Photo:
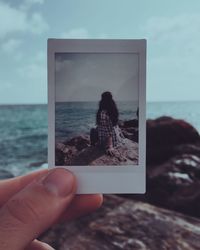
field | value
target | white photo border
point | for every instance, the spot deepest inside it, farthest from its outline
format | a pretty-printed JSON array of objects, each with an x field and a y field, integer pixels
[{"x": 101, "y": 179}]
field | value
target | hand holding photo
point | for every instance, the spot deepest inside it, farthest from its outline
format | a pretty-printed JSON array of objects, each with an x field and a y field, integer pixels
[{"x": 97, "y": 112}]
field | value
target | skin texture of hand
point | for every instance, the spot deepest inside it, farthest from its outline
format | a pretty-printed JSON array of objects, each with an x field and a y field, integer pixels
[{"x": 30, "y": 204}]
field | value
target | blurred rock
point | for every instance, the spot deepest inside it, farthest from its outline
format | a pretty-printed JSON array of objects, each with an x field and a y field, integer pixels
[
  {"x": 127, "y": 225},
  {"x": 173, "y": 167},
  {"x": 173, "y": 182},
  {"x": 164, "y": 135},
  {"x": 176, "y": 184}
]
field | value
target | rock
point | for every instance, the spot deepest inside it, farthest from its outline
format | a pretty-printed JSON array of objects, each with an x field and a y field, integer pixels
[
  {"x": 4, "y": 174},
  {"x": 130, "y": 133},
  {"x": 59, "y": 234},
  {"x": 78, "y": 152},
  {"x": 130, "y": 123},
  {"x": 164, "y": 135},
  {"x": 173, "y": 168},
  {"x": 80, "y": 142},
  {"x": 168, "y": 184},
  {"x": 130, "y": 129},
  {"x": 127, "y": 225},
  {"x": 123, "y": 155},
  {"x": 141, "y": 226},
  {"x": 175, "y": 184}
]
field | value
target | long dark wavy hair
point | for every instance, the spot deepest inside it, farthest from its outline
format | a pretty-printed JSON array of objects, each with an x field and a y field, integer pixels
[{"x": 108, "y": 104}]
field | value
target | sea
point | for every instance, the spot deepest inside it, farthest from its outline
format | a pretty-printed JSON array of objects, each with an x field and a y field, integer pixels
[{"x": 23, "y": 128}]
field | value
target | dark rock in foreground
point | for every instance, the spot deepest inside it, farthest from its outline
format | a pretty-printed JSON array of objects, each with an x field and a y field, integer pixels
[
  {"x": 173, "y": 169},
  {"x": 122, "y": 224},
  {"x": 164, "y": 134},
  {"x": 173, "y": 157},
  {"x": 173, "y": 182}
]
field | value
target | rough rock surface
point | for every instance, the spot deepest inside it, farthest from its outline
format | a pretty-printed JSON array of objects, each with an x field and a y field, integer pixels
[
  {"x": 78, "y": 152},
  {"x": 122, "y": 224},
  {"x": 130, "y": 129},
  {"x": 173, "y": 170},
  {"x": 173, "y": 182}
]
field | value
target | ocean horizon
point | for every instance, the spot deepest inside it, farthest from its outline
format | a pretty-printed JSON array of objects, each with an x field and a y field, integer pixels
[
  {"x": 75, "y": 118},
  {"x": 23, "y": 129}
]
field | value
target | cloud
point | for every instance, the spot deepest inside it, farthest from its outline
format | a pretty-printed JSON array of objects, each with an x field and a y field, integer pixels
[
  {"x": 82, "y": 33},
  {"x": 84, "y": 77},
  {"x": 37, "y": 24},
  {"x": 18, "y": 20},
  {"x": 6, "y": 86},
  {"x": 11, "y": 45},
  {"x": 173, "y": 55},
  {"x": 167, "y": 28},
  {"x": 27, "y": 4},
  {"x": 76, "y": 33},
  {"x": 7, "y": 15},
  {"x": 34, "y": 69},
  {"x": 178, "y": 35}
]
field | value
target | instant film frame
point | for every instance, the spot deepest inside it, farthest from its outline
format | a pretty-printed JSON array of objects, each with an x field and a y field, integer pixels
[{"x": 102, "y": 179}]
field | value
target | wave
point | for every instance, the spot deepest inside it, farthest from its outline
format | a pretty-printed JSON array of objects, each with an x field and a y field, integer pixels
[{"x": 33, "y": 137}]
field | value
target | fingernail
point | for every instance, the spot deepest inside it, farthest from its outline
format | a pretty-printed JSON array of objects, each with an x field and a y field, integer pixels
[{"x": 59, "y": 182}]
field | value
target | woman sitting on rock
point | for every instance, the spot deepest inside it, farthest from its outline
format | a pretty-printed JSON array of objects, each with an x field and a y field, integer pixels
[{"x": 106, "y": 120}]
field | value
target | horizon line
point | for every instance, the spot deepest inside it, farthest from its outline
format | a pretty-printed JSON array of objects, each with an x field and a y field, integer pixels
[{"x": 45, "y": 103}]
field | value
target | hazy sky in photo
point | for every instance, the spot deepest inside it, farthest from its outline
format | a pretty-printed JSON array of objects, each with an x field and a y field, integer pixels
[
  {"x": 170, "y": 27},
  {"x": 83, "y": 77}
]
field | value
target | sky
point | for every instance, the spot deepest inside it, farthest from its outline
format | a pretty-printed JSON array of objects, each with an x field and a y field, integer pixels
[
  {"x": 85, "y": 76},
  {"x": 172, "y": 30}
]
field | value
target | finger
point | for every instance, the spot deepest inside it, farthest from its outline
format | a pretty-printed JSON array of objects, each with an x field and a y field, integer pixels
[
  {"x": 36, "y": 207},
  {"x": 81, "y": 205},
  {"x": 12, "y": 186},
  {"x": 38, "y": 245}
]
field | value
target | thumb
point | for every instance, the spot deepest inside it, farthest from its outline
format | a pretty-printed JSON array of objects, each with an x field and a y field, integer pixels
[{"x": 31, "y": 211}]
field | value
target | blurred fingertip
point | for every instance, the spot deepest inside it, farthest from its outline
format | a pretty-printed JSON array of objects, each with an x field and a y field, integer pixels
[{"x": 99, "y": 198}]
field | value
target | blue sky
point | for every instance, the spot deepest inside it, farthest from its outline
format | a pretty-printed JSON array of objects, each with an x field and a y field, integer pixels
[{"x": 172, "y": 30}]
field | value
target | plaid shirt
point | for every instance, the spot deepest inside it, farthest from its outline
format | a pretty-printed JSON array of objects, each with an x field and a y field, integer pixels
[{"x": 106, "y": 129}]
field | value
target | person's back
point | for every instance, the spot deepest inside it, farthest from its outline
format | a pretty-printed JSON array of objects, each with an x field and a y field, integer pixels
[
  {"x": 106, "y": 130},
  {"x": 107, "y": 119}
]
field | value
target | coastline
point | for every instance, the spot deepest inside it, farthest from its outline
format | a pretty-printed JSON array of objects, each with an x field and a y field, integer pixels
[
  {"x": 167, "y": 215},
  {"x": 78, "y": 151},
  {"x": 170, "y": 207},
  {"x": 24, "y": 131}
]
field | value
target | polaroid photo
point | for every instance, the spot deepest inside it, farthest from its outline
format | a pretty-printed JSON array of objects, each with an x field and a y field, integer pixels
[{"x": 96, "y": 107}]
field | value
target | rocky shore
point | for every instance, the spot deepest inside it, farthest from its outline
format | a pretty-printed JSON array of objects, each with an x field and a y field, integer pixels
[
  {"x": 173, "y": 166},
  {"x": 127, "y": 225},
  {"x": 166, "y": 217},
  {"x": 79, "y": 152}
]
